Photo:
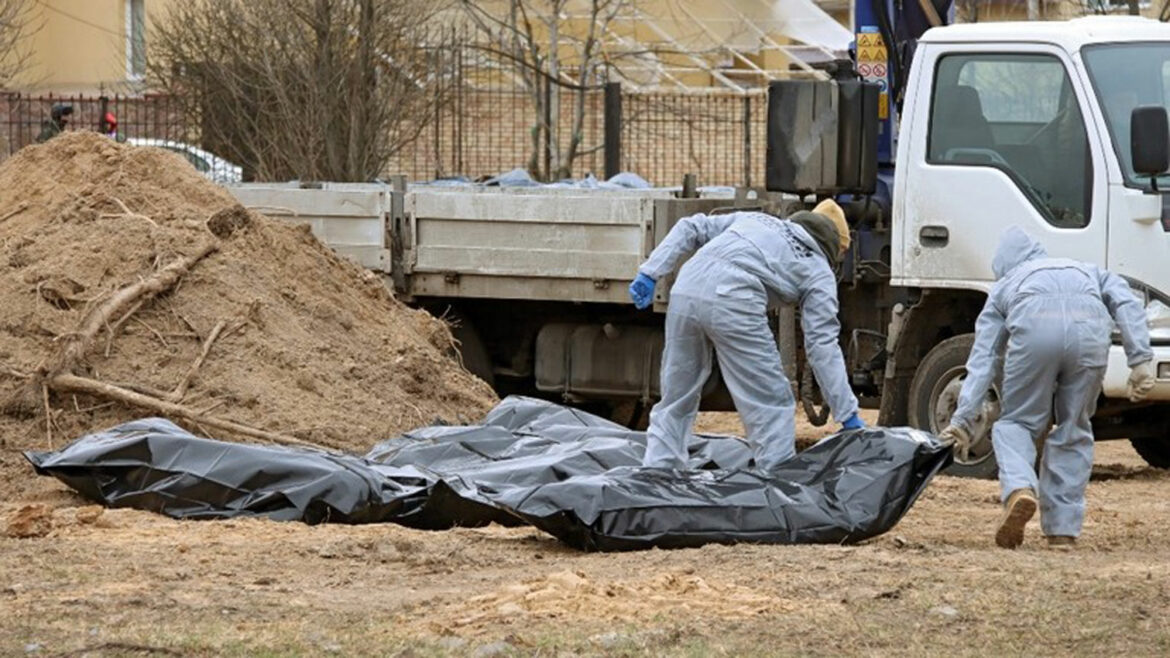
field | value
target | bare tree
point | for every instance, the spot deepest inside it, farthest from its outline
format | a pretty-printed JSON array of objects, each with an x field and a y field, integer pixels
[
  {"x": 308, "y": 89},
  {"x": 971, "y": 11},
  {"x": 14, "y": 27},
  {"x": 550, "y": 46}
]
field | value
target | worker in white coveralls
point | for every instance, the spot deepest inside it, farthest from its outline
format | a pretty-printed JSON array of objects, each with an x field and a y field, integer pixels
[
  {"x": 746, "y": 261},
  {"x": 1051, "y": 320}
]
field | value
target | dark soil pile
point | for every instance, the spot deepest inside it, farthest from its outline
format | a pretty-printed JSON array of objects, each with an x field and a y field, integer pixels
[{"x": 313, "y": 346}]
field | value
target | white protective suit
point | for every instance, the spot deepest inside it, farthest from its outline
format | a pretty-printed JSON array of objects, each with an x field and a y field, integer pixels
[
  {"x": 745, "y": 262},
  {"x": 1053, "y": 316}
]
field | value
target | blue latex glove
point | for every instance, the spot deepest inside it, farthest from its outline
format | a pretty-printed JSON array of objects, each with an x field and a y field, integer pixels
[
  {"x": 853, "y": 422},
  {"x": 642, "y": 291}
]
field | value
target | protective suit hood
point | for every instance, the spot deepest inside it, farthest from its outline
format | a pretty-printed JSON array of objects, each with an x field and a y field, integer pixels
[
  {"x": 1016, "y": 247},
  {"x": 823, "y": 232}
]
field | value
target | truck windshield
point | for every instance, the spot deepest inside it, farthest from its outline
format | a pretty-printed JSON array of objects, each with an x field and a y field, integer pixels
[{"x": 1124, "y": 77}]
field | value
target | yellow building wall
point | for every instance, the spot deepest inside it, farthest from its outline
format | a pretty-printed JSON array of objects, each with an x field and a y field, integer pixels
[{"x": 79, "y": 46}]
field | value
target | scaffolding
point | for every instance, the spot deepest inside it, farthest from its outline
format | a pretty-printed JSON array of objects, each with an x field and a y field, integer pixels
[{"x": 690, "y": 46}]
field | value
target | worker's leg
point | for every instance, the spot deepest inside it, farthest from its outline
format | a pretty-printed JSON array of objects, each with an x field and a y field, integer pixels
[
  {"x": 686, "y": 365},
  {"x": 751, "y": 368},
  {"x": 1029, "y": 381},
  {"x": 1068, "y": 452}
]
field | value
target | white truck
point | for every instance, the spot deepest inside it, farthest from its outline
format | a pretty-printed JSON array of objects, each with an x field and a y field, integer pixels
[{"x": 1056, "y": 127}]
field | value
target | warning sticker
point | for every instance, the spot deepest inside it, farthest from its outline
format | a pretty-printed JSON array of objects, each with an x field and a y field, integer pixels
[
  {"x": 865, "y": 40},
  {"x": 871, "y": 54},
  {"x": 873, "y": 63}
]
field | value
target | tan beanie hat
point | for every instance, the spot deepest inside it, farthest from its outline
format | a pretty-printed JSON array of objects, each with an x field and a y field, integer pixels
[{"x": 830, "y": 209}]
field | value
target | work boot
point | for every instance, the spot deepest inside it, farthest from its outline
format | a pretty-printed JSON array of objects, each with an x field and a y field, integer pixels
[
  {"x": 1061, "y": 542},
  {"x": 1017, "y": 511}
]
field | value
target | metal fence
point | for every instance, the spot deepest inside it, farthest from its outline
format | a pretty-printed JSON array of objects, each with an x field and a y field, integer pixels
[
  {"x": 715, "y": 134},
  {"x": 719, "y": 136},
  {"x": 150, "y": 116},
  {"x": 481, "y": 131}
]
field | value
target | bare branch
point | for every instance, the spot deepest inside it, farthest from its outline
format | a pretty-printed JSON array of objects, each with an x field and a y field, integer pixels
[
  {"x": 555, "y": 47},
  {"x": 308, "y": 89},
  {"x": 15, "y": 27}
]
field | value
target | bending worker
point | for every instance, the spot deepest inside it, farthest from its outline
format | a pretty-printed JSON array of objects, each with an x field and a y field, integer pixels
[
  {"x": 1053, "y": 316},
  {"x": 744, "y": 262}
]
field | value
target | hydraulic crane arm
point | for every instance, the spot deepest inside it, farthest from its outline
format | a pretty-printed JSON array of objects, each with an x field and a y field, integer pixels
[{"x": 887, "y": 32}]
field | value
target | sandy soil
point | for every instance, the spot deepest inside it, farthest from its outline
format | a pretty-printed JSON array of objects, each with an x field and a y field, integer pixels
[
  {"x": 307, "y": 338},
  {"x": 115, "y": 582}
]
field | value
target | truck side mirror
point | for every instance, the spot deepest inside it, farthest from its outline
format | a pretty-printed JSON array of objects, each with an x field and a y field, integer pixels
[{"x": 1149, "y": 140}]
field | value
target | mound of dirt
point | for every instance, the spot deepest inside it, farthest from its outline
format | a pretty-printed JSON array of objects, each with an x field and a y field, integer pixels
[{"x": 309, "y": 345}]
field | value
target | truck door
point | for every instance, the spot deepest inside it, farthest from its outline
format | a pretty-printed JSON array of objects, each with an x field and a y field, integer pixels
[{"x": 994, "y": 136}]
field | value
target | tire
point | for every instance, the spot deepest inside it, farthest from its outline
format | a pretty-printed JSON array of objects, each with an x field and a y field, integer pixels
[
  {"x": 1156, "y": 451},
  {"x": 634, "y": 414},
  {"x": 934, "y": 394},
  {"x": 472, "y": 351}
]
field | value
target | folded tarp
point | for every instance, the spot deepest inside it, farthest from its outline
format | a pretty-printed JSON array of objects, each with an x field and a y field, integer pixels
[{"x": 569, "y": 473}]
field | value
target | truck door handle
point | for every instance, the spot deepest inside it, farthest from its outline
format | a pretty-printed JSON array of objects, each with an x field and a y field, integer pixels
[{"x": 934, "y": 236}]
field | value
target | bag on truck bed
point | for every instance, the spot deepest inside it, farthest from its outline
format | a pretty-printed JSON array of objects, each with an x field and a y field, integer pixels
[{"x": 569, "y": 473}]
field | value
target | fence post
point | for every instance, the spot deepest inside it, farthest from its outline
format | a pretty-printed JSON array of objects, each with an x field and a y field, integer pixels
[
  {"x": 747, "y": 141},
  {"x": 548, "y": 131},
  {"x": 613, "y": 129},
  {"x": 103, "y": 108}
]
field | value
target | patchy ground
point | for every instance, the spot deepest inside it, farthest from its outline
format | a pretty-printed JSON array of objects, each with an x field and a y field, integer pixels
[{"x": 88, "y": 581}]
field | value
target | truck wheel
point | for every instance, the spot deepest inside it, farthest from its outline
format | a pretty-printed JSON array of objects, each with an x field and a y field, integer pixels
[
  {"x": 934, "y": 394},
  {"x": 1156, "y": 451},
  {"x": 472, "y": 351},
  {"x": 634, "y": 414}
]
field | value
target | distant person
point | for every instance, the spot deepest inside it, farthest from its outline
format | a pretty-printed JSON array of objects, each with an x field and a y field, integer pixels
[
  {"x": 1051, "y": 318},
  {"x": 746, "y": 262},
  {"x": 59, "y": 119},
  {"x": 109, "y": 127}
]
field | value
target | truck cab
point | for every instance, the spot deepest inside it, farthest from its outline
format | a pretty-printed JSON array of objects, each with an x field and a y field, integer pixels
[{"x": 1025, "y": 124}]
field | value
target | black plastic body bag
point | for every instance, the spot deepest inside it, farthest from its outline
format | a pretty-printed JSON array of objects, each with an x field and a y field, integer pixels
[{"x": 573, "y": 475}]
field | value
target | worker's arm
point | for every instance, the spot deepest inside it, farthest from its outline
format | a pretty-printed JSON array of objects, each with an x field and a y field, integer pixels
[
  {"x": 688, "y": 234},
  {"x": 1129, "y": 315},
  {"x": 822, "y": 331},
  {"x": 991, "y": 335}
]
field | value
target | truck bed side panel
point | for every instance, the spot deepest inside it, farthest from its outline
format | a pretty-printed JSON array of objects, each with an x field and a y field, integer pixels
[
  {"x": 353, "y": 222},
  {"x": 583, "y": 242}
]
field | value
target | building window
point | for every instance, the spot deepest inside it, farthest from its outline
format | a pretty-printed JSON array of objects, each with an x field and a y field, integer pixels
[{"x": 136, "y": 38}]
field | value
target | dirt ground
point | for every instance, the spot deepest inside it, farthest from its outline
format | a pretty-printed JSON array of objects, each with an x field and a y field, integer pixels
[{"x": 116, "y": 582}]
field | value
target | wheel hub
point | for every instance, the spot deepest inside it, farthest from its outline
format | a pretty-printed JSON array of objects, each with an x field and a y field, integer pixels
[{"x": 945, "y": 399}]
